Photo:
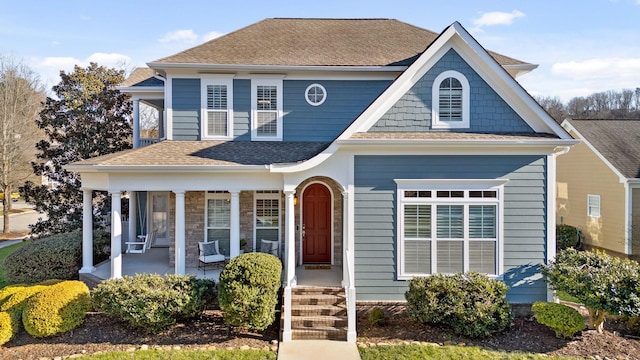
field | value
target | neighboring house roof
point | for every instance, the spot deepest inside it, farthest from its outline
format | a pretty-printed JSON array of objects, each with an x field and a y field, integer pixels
[
  {"x": 142, "y": 76},
  {"x": 210, "y": 153},
  {"x": 450, "y": 136},
  {"x": 317, "y": 42},
  {"x": 618, "y": 141}
]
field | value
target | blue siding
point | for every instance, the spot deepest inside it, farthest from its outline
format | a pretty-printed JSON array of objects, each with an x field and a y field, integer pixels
[
  {"x": 488, "y": 112},
  {"x": 186, "y": 109},
  {"x": 375, "y": 218},
  {"x": 242, "y": 109},
  {"x": 345, "y": 101}
]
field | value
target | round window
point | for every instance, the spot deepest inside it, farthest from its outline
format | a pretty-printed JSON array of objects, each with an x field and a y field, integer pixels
[{"x": 315, "y": 94}]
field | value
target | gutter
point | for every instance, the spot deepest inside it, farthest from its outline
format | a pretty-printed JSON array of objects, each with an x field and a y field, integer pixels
[{"x": 165, "y": 168}]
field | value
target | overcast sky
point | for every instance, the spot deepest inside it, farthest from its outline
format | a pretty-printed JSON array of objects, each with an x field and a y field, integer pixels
[{"x": 581, "y": 47}]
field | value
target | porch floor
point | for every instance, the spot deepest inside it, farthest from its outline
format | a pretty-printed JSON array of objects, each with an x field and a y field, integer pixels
[
  {"x": 153, "y": 261},
  {"x": 319, "y": 277}
]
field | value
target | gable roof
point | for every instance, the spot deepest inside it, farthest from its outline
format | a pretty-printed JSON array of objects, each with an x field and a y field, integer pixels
[
  {"x": 317, "y": 42},
  {"x": 141, "y": 76},
  {"x": 617, "y": 141}
]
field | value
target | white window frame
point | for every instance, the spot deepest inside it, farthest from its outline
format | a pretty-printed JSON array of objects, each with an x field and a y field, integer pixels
[
  {"x": 268, "y": 196},
  {"x": 217, "y": 195},
  {"x": 435, "y": 185},
  {"x": 204, "y": 83},
  {"x": 266, "y": 81},
  {"x": 436, "y": 123},
  {"x": 594, "y": 210},
  {"x": 306, "y": 94}
]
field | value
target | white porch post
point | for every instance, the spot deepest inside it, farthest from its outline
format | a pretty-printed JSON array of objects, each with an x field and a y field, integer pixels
[
  {"x": 348, "y": 266},
  {"x": 132, "y": 216},
  {"x": 136, "y": 123},
  {"x": 87, "y": 232},
  {"x": 116, "y": 235},
  {"x": 180, "y": 233},
  {"x": 234, "y": 241},
  {"x": 290, "y": 266}
]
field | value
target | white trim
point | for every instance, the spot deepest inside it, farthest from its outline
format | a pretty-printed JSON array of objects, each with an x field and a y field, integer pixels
[
  {"x": 205, "y": 81},
  {"x": 324, "y": 92},
  {"x": 551, "y": 217},
  {"x": 266, "y": 81},
  {"x": 180, "y": 247},
  {"x": 267, "y": 196},
  {"x": 589, "y": 212},
  {"x": 496, "y": 185},
  {"x": 301, "y": 203},
  {"x": 168, "y": 108},
  {"x": 628, "y": 218},
  {"x": 436, "y": 123}
]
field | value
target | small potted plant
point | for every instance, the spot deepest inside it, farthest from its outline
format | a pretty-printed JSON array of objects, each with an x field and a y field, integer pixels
[{"x": 243, "y": 243}]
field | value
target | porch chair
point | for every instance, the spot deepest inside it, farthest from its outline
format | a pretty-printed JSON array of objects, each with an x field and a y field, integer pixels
[
  {"x": 270, "y": 247},
  {"x": 209, "y": 254},
  {"x": 139, "y": 247}
]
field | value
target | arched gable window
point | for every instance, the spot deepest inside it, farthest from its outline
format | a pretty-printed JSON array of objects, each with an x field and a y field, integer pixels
[{"x": 450, "y": 101}]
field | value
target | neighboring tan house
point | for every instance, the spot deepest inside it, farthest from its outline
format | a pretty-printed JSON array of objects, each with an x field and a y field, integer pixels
[
  {"x": 378, "y": 148},
  {"x": 599, "y": 184}
]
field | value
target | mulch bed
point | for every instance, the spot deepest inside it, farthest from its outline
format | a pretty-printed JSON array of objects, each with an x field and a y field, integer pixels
[{"x": 100, "y": 333}]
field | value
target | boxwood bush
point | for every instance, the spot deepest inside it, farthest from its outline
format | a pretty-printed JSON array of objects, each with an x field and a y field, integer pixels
[
  {"x": 248, "y": 290},
  {"x": 56, "y": 309},
  {"x": 471, "y": 304},
  {"x": 565, "y": 321},
  {"x": 566, "y": 236},
  {"x": 152, "y": 303},
  {"x": 58, "y": 256}
]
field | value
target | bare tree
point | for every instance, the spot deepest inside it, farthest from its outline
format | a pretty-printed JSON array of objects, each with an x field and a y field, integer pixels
[
  {"x": 21, "y": 96},
  {"x": 149, "y": 127},
  {"x": 554, "y": 106}
]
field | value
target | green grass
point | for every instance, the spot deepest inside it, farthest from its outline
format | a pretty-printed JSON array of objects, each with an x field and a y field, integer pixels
[
  {"x": 566, "y": 297},
  {"x": 4, "y": 252},
  {"x": 186, "y": 355},
  {"x": 445, "y": 352}
]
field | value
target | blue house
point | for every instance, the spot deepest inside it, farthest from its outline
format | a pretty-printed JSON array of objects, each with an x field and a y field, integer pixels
[{"x": 371, "y": 148}]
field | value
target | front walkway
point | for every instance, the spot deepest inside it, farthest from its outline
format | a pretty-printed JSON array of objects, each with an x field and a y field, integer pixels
[
  {"x": 318, "y": 349},
  {"x": 153, "y": 261}
]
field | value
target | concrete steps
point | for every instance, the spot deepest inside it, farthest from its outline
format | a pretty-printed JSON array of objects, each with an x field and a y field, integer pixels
[{"x": 318, "y": 313}]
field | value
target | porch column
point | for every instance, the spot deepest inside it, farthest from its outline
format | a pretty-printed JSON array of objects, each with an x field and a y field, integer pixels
[
  {"x": 116, "y": 235},
  {"x": 87, "y": 232},
  {"x": 290, "y": 259},
  {"x": 180, "y": 233},
  {"x": 234, "y": 236},
  {"x": 348, "y": 272},
  {"x": 132, "y": 216},
  {"x": 136, "y": 123}
]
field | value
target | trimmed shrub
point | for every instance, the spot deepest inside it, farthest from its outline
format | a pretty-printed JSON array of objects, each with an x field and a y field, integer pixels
[
  {"x": 603, "y": 283},
  {"x": 377, "y": 317},
  {"x": 58, "y": 256},
  {"x": 18, "y": 300},
  {"x": 57, "y": 309},
  {"x": 471, "y": 304},
  {"x": 152, "y": 303},
  {"x": 633, "y": 325},
  {"x": 566, "y": 236},
  {"x": 565, "y": 321},
  {"x": 248, "y": 290},
  {"x": 7, "y": 291},
  {"x": 9, "y": 326}
]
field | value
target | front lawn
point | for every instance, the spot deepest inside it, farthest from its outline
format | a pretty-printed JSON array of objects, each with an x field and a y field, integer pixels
[
  {"x": 445, "y": 352},
  {"x": 186, "y": 355}
]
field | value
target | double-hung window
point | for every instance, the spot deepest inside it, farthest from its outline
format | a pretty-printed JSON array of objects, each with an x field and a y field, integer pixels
[
  {"x": 266, "y": 109},
  {"x": 450, "y": 101},
  {"x": 449, "y": 226},
  {"x": 593, "y": 206},
  {"x": 218, "y": 219},
  {"x": 217, "y": 107},
  {"x": 267, "y": 216}
]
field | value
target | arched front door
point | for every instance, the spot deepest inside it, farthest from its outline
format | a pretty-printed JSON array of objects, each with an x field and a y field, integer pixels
[{"x": 316, "y": 224}]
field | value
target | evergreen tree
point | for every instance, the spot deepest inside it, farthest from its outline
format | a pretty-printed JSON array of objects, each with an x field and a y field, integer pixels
[{"x": 87, "y": 117}]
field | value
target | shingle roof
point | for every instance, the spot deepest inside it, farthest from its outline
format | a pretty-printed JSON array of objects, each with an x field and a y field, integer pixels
[
  {"x": 141, "y": 76},
  {"x": 317, "y": 42},
  {"x": 210, "y": 153},
  {"x": 617, "y": 140},
  {"x": 442, "y": 135}
]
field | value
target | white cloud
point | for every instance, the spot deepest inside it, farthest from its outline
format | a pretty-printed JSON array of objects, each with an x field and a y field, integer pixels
[
  {"x": 214, "y": 34},
  {"x": 186, "y": 36},
  {"x": 109, "y": 60},
  {"x": 49, "y": 68},
  {"x": 497, "y": 18},
  {"x": 599, "y": 68}
]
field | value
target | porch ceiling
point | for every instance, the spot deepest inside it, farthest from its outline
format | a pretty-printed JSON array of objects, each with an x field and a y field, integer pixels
[{"x": 209, "y": 153}]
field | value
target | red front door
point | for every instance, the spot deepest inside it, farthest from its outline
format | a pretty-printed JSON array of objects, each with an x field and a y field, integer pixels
[{"x": 316, "y": 224}]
